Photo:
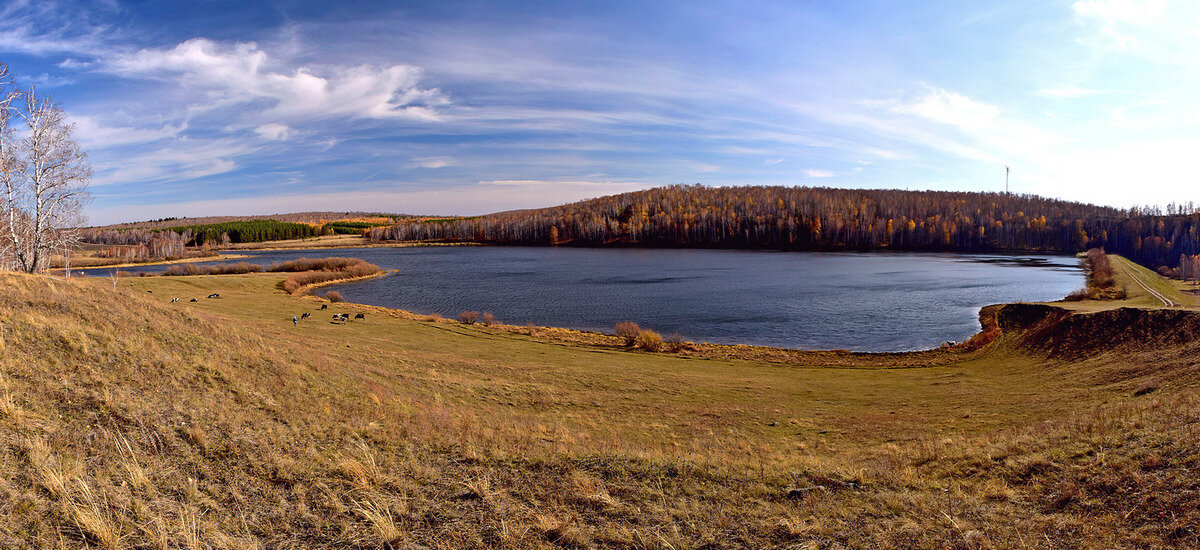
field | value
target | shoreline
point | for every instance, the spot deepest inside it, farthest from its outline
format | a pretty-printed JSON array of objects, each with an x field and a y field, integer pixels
[
  {"x": 306, "y": 290},
  {"x": 830, "y": 358},
  {"x": 194, "y": 260}
]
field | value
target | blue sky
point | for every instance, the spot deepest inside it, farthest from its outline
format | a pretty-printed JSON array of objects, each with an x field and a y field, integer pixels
[{"x": 205, "y": 108}]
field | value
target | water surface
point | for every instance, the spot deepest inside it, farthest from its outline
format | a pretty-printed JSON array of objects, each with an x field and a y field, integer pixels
[{"x": 808, "y": 300}]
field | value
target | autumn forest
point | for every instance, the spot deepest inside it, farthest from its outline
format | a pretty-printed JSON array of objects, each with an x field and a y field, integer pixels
[{"x": 816, "y": 218}]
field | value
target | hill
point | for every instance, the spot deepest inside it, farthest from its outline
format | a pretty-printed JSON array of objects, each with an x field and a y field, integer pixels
[
  {"x": 311, "y": 218},
  {"x": 819, "y": 218},
  {"x": 130, "y": 421}
]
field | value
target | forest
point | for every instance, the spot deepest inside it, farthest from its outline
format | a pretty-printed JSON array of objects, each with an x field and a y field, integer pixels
[
  {"x": 250, "y": 231},
  {"x": 820, "y": 218}
]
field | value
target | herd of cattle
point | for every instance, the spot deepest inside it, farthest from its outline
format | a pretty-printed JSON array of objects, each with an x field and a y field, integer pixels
[{"x": 339, "y": 318}]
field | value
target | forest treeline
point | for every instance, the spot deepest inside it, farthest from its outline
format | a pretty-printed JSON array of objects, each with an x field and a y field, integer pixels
[
  {"x": 171, "y": 237},
  {"x": 142, "y": 243},
  {"x": 819, "y": 218}
]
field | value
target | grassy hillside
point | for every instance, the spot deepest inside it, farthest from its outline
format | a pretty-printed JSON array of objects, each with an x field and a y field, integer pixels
[{"x": 130, "y": 421}]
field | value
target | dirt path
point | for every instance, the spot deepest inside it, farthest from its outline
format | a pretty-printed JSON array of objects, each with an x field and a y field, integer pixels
[{"x": 1132, "y": 272}]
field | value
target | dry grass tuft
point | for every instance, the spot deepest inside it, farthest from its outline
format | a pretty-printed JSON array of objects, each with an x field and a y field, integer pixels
[
  {"x": 91, "y": 517},
  {"x": 390, "y": 534},
  {"x": 561, "y": 532}
]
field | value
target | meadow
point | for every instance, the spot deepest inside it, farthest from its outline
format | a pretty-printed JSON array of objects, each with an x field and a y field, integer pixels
[{"x": 129, "y": 421}]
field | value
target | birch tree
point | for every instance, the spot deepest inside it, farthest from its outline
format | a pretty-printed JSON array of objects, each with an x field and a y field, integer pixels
[
  {"x": 11, "y": 170},
  {"x": 44, "y": 176}
]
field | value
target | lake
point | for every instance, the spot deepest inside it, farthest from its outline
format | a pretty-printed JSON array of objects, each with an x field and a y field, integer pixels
[{"x": 881, "y": 301}]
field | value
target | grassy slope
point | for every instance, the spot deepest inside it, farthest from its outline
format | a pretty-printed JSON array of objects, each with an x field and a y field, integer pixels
[
  {"x": 131, "y": 421},
  {"x": 1136, "y": 296}
]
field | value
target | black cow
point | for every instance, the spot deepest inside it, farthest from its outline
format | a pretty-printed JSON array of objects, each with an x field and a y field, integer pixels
[
  {"x": 214, "y": 295},
  {"x": 193, "y": 300},
  {"x": 304, "y": 315},
  {"x": 362, "y": 316},
  {"x": 324, "y": 306}
]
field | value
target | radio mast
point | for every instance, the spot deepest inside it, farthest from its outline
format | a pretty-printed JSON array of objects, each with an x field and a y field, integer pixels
[{"x": 1006, "y": 170}]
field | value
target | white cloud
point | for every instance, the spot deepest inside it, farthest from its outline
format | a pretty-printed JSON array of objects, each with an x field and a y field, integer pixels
[
  {"x": 434, "y": 162},
  {"x": 95, "y": 134},
  {"x": 181, "y": 160},
  {"x": 275, "y": 132},
  {"x": 818, "y": 174},
  {"x": 226, "y": 74},
  {"x": 1116, "y": 17},
  {"x": 951, "y": 108},
  {"x": 1112, "y": 12}
]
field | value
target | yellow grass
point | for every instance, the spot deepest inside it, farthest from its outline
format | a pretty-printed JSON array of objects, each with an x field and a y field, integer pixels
[{"x": 217, "y": 423}]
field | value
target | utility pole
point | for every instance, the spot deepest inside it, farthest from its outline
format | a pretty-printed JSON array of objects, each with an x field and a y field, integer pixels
[{"x": 1006, "y": 170}]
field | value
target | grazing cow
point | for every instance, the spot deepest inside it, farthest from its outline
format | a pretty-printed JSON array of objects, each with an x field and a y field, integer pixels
[
  {"x": 324, "y": 306},
  {"x": 173, "y": 300},
  {"x": 304, "y": 316},
  {"x": 192, "y": 300},
  {"x": 214, "y": 295},
  {"x": 339, "y": 318},
  {"x": 362, "y": 316}
]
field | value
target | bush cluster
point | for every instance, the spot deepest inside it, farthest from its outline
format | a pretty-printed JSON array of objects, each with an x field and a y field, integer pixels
[
  {"x": 325, "y": 270},
  {"x": 218, "y": 269},
  {"x": 638, "y": 337}
]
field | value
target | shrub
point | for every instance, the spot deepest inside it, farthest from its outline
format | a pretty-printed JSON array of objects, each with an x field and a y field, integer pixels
[
  {"x": 674, "y": 342},
  {"x": 648, "y": 340},
  {"x": 433, "y": 317},
  {"x": 628, "y": 330},
  {"x": 1102, "y": 273},
  {"x": 468, "y": 317},
  {"x": 487, "y": 318},
  {"x": 334, "y": 296},
  {"x": 1077, "y": 296}
]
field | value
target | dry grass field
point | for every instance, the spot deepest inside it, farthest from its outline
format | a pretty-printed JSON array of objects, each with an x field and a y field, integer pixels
[{"x": 129, "y": 421}]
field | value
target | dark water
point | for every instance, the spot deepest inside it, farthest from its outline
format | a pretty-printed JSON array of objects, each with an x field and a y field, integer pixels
[{"x": 859, "y": 301}]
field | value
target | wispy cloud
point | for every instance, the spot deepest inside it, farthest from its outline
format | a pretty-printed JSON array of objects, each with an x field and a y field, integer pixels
[
  {"x": 818, "y": 174},
  {"x": 243, "y": 73}
]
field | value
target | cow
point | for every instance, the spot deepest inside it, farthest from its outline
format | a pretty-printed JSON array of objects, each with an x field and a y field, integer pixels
[
  {"x": 362, "y": 316},
  {"x": 173, "y": 300},
  {"x": 304, "y": 316},
  {"x": 339, "y": 318},
  {"x": 214, "y": 295},
  {"x": 193, "y": 300},
  {"x": 324, "y": 306}
]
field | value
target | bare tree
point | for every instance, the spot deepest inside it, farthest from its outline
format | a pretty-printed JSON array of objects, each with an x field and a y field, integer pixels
[
  {"x": 43, "y": 179},
  {"x": 11, "y": 171}
]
